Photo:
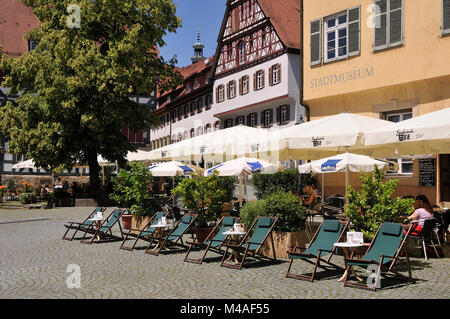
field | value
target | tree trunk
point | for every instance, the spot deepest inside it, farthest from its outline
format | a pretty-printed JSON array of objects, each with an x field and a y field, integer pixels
[{"x": 94, "y": 179}]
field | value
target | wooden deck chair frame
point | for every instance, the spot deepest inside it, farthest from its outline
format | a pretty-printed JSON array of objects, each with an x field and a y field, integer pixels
[
  {"x": 381, "y": 267},
  {"x": 76, "y": 225},
  {"x": 318, "y": 258},
  {"x": 97, "y": 231},
  {"x": 166, "y": 239},
  {"x": 137, "y": 233},
  {"x": 209, "y": 240},
  {"x": 253, "y": 253}
]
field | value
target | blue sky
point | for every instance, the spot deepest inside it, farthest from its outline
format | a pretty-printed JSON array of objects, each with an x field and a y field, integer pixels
[{"x": 206, "y": 15}]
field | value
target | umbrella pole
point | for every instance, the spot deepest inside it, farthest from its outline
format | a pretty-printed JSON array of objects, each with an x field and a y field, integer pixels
[
  {"x": 240, "y": 190},
  {"x": 323, "y": 187},
  {"x": 438, "y": 180},
  {"x": 173, "y": 186},
  {"x": 346, "y": 184}
]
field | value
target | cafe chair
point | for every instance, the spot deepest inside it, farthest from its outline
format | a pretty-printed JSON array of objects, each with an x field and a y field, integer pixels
[
  {"x": 322, "y": 243},
  {"x": 383, "y": 252},
  {"x": 425, "y": 236},
  {"x": 105, "y": 229},
  {"x": 215, "y": 239},
  {"x": 253, "y": 242},
  {"x": 76, "y": 226},
  {"x": 174, "y": 237},
  {"x": 143, "y": 233}
]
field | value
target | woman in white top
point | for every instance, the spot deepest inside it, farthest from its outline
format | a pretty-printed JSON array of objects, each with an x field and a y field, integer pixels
[{"x": 422, "y": 211}]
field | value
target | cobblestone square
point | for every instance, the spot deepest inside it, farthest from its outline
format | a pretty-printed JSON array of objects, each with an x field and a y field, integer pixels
[{"x": 34, "y": 263}]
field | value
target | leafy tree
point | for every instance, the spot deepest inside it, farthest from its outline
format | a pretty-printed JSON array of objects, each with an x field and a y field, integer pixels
[
  {"x": 133, "y": 189},
  {"x": 374, "y": 203},
  {"x": 77, "y": 84}
]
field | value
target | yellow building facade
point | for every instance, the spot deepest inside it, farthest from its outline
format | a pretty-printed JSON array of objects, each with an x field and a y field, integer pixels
[{"x": 387, "y": 59}]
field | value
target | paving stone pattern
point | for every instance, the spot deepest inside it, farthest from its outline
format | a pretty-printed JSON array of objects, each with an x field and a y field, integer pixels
[{"x": 34, "y": 263}]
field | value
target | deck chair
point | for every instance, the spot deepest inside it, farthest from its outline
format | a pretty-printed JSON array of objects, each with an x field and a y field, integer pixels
[
  {"x": 84, "y": 224},
  {"x": 105, "y": 229},
  {"x": 253, "y": 241},
  {"x": 383, "y": 252},
  {"x": 215, "y": 239},
  {"x": 174, "y": 237},
  {"x": 141, "y": 234},
  {"x": 322, "y": 243}
]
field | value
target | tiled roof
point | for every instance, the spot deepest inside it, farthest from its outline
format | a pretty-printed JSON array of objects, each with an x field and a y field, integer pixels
[
  {"x": 15, "y": 21},
  {"x": 285, "y": 18}
]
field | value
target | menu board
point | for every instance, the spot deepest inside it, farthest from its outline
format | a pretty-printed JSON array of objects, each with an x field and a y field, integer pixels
[{"x": 427, "y": 172}]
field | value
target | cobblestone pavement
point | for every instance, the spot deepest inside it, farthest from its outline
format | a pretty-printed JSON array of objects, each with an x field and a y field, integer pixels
[{"x": 34, "y": 264}]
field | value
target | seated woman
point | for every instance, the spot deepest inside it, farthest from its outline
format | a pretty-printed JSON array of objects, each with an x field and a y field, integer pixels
[
  {"x": 309, "y": 202},
  {"x": 422, "y": 210}
]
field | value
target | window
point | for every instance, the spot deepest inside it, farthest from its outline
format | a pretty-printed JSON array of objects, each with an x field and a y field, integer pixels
[
  {"x": 208, "y": 128},
  {"x": 241, "y": 52},
  {"x": 240, "y": 120},
  {"x": 200, "y": 105},
  {"x": 185, "y": 135},
  {"x": 179, "y": 137},
  {"x": 405, "y": 165},
  {"x": 217, "y": 126},
  {"x": 267, "y": 118},
  {"x": 283, "y": 114},
  {"x": 180, "y": 113},
  {"x": 186, "y": 110},
  {"x": 231, "y": 89},
  {"x": 229, "y": 123},
  {"x": 192, "y": 133},
  {"x": 275, "y": 74},
  {"x": 208, "y": 102},
  {"x": 192, "y": 108},
  {"x": 388, "y": 24},
  {"x": 196, "y": 83},
  {"x": 243, "y": 85},
  {"x": 341, "y": 36},
  {"x": 252, "y": 120},
  {"x": 220, "y": 93},
  {"x": 258, "y": 79},
  {"x": 188, "y": 87},
  {"x": 31, "y": 45},
  {"x": 445, "y": 28},
  {"x": 199, "y": 130}
]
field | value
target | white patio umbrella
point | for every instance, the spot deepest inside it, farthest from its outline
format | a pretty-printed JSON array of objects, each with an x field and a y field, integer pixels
[
  {"x": 325, "y": 137},
  {"x": 174, "y": 168},
  {"x": 346, "y": 162},
  {"x": 424, "y": 134},
  {"x": 244, "y": 166},
  {"x": 25, "y": 164}
]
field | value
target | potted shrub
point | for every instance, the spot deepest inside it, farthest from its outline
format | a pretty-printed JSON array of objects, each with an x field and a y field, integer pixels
[
  {"x": 204, "y": 196},
  {"x": 132, "y": 190},
  {"x": 374, "y": 204},
  {"x": 27, "y": 195}
]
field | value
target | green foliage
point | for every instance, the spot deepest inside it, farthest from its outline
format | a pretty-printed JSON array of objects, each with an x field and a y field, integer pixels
[
  {"x": 27, "y": 198},
  {"x": 203, "y": 196},
  {"x": 227, "y": 183},
  {"x": 289, "y": 181},
  {"x": 286, "y": 206},
  {"x": 77, "y": 84},
  {"x": 133, "y": 189},
  {"x": 374, "y": 203},
  {"x": 251, "y": 210}
]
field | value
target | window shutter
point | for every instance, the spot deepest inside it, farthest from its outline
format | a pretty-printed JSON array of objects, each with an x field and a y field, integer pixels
[
  {"x": 316, "y": 41},
  {"x": 271, "y": 118},
  {"x": 354, "y": 29},
  {"x": 248, "y": 119},
  {"x": 263, "y": 78},
  {"x": 395, "y": 22},
  {"x": 254, "y": 81},
  {"x": 271, "y": 76},
  {"x": 278, "y": 115},
  {"x": 380, "y": 41},
  {"x": 279, "y": 73},
  {"x": 217, "y": 94},
  {"x": 262, "y": 119},
  {"x": 240, "y": 86},
  {"x": 228, "y": 90},
  {"x": 288, "y": 113},
  {"x": 445, "y": 17}
]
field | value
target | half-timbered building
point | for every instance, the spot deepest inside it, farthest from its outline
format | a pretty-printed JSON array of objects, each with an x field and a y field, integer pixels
[{"x": 257, "y": 67}]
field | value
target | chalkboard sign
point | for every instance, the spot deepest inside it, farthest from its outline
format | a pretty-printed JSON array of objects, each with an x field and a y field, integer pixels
[{"x": 427, "y": 172}]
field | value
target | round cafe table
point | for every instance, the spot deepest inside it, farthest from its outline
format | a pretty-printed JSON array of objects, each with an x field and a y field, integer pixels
[
  {"x": 235, "y": 237},
  {"x": 349, "y": 249},
  {"x": 98, "y": 222},
  {"x": 160, "y": 231}
]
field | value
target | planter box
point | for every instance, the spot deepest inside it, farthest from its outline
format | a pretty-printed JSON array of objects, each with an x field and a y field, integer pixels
[{"x": 283, "y": 241}]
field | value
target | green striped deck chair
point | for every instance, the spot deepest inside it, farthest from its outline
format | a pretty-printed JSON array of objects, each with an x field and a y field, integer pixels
[
  {"x": 84, "y": 224},
  {"x": 105, "y": 229},
  {"x": 252, "y": 242},
  {"x": 215, "y": 239},
  {"x": 329, "y": 232},
  {"x": 142, "y": 234},
  {"x": 174, "y": 237},
  {"x": 383, "y": 253}
]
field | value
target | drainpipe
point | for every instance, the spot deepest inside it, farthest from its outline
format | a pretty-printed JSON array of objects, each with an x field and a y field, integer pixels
[{"x": 302, "y": 77}]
